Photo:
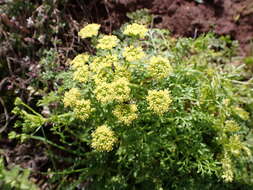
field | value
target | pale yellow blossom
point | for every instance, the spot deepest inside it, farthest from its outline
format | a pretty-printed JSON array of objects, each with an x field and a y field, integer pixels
[
  {"x": 120, "y": 90},
  {"x": 117, "y": 90},
  {"x": 79, "y": 61},
  {"x": 241, "y": 113},
  {"x": 71, "y": 97},
  {"x": 103, "y": 92},
  {"x": 107, "y": 42},
  {"x": 103, "y": 139},
  {"x": 126, "y": 113},
  {"x": 99, "y": 63},
  {"x": 82, "y": 74},
  {"x": 227, "y": 167},
  {"x": 231, "y": 126},
  {"x": 89, "y": 31},
  {"x": 234, "y": 145},
  {"x": 159, "y": 101},
  {"x": 82, "y": 109},
  {"x": 133, "y": 54},
  {"x": 159, "y": 67},
  {"x": 136, "y": 30}
]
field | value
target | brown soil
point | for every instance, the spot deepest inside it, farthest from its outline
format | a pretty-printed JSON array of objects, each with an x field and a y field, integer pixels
[{"x": 188, "y": 18}]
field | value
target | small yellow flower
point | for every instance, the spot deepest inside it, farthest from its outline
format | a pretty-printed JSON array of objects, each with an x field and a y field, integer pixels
[
  {"x": 120, "y": 90},
  {"x": 122, "y": 72},
  {"x": 117, "y": 90},
  {"x": 126, "y": 113},
  {"x": 108, "y": 42},
  {"x": 159, "y": 67},
  {"x": 241, "y": 113},
  {"x": 136, "y": 30},
  {"x": 82, "y": 74},
  {"x": 79, "y": 60},
  {"x": 71, "y": 97},
  {"x": 82, "y": 109},
  {"x": 159, "y": 101},
  {"x": 234, "y": 145},
  {"x": 89, "y": 31},
  {"x": 99, "y": 63},
  {"x": 227, "y": 167},
  {"x": 231, "y": 126},
  {"x": 103, "y": 92},
  {"x": 133, "y": 54},
  {"x": 103, "y": 139}
]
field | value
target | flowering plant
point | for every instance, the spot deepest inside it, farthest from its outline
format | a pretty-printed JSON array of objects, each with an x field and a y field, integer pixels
[{"x": 146, "y": 110}]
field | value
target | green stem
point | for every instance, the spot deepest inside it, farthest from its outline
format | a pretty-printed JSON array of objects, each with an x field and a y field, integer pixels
[
  {"x": 32, "y": 110},
  {"x": 53, "y": 144},
  {"x": 66, "y": 172}
]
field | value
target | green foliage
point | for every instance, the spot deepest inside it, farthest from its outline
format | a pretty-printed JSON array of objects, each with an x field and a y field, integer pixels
[
  {"x": 141, "y": 16},
  {"x": 15, "y": 178},
  {"x": 179, "y": 111}
]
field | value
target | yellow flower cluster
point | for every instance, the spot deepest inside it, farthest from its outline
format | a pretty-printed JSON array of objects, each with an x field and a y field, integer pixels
[
  {"x": 234, "y": 145},
  {"x": 241, "y": 113},
  {"x": 99, "y": 63},
  {"x": 79, "y": 60},
  {"x": 133, "y": 54},
  {"x": 82, "y": 109},
  {"x": 82, "y": 74},
  {"x": 227, "y": 169},
  {"x": 89, "y": 31},
  {"x": 120, "y": 90},
  {"x": 117, "y": 90},
  {"x": 231, "y": 126},
  {"x": 122, "y": 72},
  {"x": 159, "y": 101},
  {"x": 108, "y": 42},
  {"x": 126, "y": 113},
  {"x": 159, "y": 67},
  {"x": 103, "y": 92},
  {"x": 103, "y": 139},
  {"x": 136, "y": 30},
  {"x": 71, "y": 97}
]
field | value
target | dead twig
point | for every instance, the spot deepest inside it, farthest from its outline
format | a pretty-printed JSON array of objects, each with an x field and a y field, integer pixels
[
  {"x": 7, "y": 117},
  {"x": 4, "y": 19}
]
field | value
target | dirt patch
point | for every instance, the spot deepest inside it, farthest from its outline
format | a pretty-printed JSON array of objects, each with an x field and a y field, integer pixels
[{"x": 188, "y": 18}]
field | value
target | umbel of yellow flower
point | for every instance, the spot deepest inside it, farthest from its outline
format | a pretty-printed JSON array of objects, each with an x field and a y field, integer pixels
[
  {"x": 159, "y": 67},
  {"x": 71, "y": 97},
  {"x": 136, "y": 30},
  {"x": 227, "y": 167},
  {"x": 103, "y": 92},
  {"x": 117, "y": 90},
  {"x": 79, "y": 60},
  {"x": 103, "y": 139},
  {"x": 133, "y": 54},
  {"x": 231, "y": 126},
  {"x": 126, "y": 113},
  {"x": 99, "y": 63},
  {"x": 159, "y": 101},
  {"x": 89, "y": 31},
  {"x": 234, "y": 145},
  {"x": 107, "y": 42},
  {"x": 120, "y": 90},
  {"x": 122, "y": 72},
  {"x": 241, "y": 113},
  {"x": 82, "y": 109},
  {"x": 82, "y": 74}
]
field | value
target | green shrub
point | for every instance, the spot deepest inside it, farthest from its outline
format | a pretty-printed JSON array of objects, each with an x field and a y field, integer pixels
[{"x": 146, "y": 111}]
